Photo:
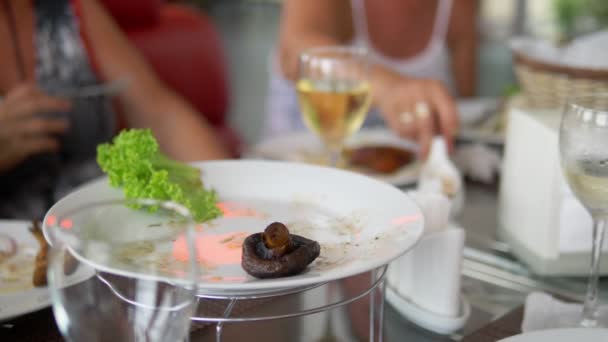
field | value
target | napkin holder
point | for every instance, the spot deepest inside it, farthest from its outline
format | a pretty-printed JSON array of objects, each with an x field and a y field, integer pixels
[
  {"x": 424, "y": 284},
  {"x": 430, "y": 273},
  {"x": 539, "y": 217}
]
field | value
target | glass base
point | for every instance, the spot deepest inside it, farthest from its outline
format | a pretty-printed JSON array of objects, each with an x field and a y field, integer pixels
[
  {"x": 592, "y": 323},
  {"x": 545, "y": 312},
  {"x": 559, "y": 319}
]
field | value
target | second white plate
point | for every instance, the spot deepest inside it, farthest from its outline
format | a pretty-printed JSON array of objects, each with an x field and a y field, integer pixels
[
  {"x": 561, "y": 335},
  {"x": 18, "y": 295},
  {"x": 306, "y": 147}
]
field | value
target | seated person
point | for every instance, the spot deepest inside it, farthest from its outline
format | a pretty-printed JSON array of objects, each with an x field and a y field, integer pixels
[
  {"x": 48, "y": 142},
  {"x": 423, "y": 53}
]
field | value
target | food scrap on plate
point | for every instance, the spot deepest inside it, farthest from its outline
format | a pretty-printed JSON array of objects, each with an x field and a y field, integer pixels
[
  {"x": 382, "y": 159},
  {"x": 39, "y": 278},
  {"x": 40, "y": 264}
]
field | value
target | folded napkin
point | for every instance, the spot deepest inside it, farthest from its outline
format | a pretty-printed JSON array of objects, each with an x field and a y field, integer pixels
[
  {"x": 440, "y": 175},
  {"x": 478, "y": 161},
  {"x": 429, "y": 275},
  {"x": 587, "y": 51},
  {"x": 435, "y": 208},
  {"x": 543, "y": 311}
]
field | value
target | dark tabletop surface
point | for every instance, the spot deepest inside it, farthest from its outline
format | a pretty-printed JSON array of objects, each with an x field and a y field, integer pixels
[{"x": 40, "y": 326}]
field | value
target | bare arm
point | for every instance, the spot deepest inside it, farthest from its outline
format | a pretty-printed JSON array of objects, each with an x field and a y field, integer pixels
[
  {"x": 181, "y": 131},
  {"x": 463, "y": 43},
  {"x": 310, "y": 23}
]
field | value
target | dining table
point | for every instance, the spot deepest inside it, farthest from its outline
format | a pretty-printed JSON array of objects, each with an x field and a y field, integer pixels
[{"x": 493, "y": 281}]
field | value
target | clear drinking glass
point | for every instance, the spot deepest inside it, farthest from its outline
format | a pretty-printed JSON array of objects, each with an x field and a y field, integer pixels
[
  {"x": 583, "y": 143},
  {"x": 334, "y": 93},
  {"x": 117, "y": 273}
]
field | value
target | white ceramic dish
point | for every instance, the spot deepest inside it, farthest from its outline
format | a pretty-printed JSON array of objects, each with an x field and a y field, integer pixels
[
  {"x": 361, "y": 223},
  {"x": 561, "y": 335},
  {"x": 427, "y": 319},
  {"x": 18, "y": 295},
  {"x": 306, "y": 147}
]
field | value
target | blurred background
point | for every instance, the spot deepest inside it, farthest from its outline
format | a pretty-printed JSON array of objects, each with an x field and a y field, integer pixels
[{"x": 248, "y": 30}]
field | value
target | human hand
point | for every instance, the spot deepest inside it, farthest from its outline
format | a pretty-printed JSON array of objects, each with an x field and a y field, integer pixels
[
  {"x": 23, "y": 132},
  {"x": 419, "y": 109}
]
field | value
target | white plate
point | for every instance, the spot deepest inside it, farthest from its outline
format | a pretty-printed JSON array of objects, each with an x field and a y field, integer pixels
[
  {"x": 361, "y": 223},
  {"x": 306, "y": 147},
  {"x": 18, "y": 296},
  {"x": 561, "y": 335}
]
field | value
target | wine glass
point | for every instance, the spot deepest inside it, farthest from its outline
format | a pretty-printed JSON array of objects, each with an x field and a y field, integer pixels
[
  {"x": 334, "y": 94},
  {"x": 118, "y": 272},
  {"x": 583, "y": 144}
]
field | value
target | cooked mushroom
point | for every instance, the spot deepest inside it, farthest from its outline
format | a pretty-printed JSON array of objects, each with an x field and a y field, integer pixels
[{"x": 277, "y": 253}]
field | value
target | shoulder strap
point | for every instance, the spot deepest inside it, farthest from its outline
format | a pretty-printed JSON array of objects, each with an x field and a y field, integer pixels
[
  {"x": 359, "y": 20},
  {"x": 442, "y": 21}
]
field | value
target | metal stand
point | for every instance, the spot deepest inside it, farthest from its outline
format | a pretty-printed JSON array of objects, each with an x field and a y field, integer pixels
[{"x": 375, "y": 291}]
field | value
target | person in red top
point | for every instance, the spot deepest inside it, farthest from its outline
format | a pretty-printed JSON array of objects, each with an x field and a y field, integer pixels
[{"x": 47, "y": 139}]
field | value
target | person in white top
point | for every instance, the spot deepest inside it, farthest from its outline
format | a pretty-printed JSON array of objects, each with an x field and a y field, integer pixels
[{"x": 423, "y": 54}]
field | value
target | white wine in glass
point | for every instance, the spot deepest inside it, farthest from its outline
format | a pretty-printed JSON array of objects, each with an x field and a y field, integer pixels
[
  {"x": 334, "y": 94},
  {"x": 583, "y": 143},
  {"x": 588, "y": 179}
]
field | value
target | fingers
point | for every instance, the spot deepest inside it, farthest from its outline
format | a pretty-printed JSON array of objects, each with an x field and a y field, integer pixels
[
  {"x": 40, "y": 126},
  {"x": 22, "y": 138},
  {"x": 401, "y": 119},
  {"x": 447, "y": 114},
  {"x": 398, "y": 111},
  {"x": 40, "y": 144},
  {"x": 426, "y": 128},
  {"x": 37, "y": 105},
  {"x": 419, "y": 109},
  {"x": 25, "y": 100},
  {"x": 24, "y": 129},
  {"x": 408, "y": 126},
  {"x": 411, "y": 117},
  {"x": 15, "y": 151}
]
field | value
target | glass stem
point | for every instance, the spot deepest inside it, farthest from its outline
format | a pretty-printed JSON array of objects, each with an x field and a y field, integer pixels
[
  {"x": 335, "y": 155},
  {"x": 590, "y": 308}
]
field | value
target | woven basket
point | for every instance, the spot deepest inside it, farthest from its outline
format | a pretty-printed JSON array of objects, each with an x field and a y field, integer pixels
[{"x": 548, "y": 85}]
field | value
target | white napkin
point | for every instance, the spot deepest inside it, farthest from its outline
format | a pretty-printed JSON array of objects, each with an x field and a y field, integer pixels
[
  {"x": 478, "y": 161},
  {"x": 587, "y": 51},
  {"x": 435, "y": 208},
  {"x": 429, "y": 275},
  {"x": 440, "y": 175},
  {"x": 542, "y": 311}
]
